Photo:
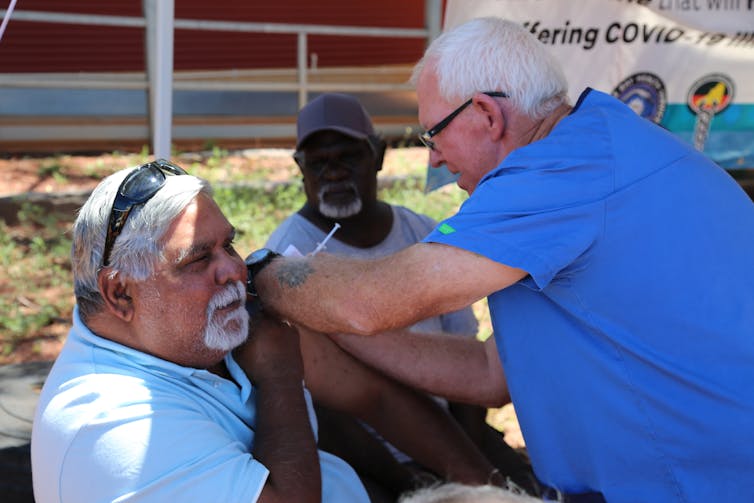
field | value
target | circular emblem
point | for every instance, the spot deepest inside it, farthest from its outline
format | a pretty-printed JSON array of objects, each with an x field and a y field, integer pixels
[
  {"x": 645, "y": 94},
  {"x": 710, "y": 94}
]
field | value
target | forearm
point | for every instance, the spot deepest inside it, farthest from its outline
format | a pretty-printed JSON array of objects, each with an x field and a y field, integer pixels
[
  {"x": 336, "y": 294},
  {"x": 283, "y": 438},
  {"x": 459, "y": 368},
  {"x": 405, "y": 417},
  {"x": 420, "y": 427},
  {"x": 285, "y": 444},
  {"x": 509, "y": 463},
  {"x": 331, "y": 294},
  {"x": 343, "y": 435}
]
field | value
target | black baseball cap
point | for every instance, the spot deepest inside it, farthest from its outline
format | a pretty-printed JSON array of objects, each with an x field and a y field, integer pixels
[{"x": 336, "y": 112}]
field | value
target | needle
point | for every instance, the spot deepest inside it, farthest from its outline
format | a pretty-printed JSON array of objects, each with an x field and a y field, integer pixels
[{"x": 321, "y": 245}]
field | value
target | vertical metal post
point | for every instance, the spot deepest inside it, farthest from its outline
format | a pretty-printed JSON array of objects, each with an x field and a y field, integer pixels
[
  {"x": 301, "y": 64},
  {"x": 433, "y": 19},
  {"x": 159, "y": 15}
]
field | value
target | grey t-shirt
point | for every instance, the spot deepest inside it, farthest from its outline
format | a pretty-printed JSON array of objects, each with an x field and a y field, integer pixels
[{"x": 408, "y": 228}]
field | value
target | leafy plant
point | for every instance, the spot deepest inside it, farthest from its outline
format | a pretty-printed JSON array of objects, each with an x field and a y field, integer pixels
[
  {"x": 257, "y": 211},
  {"x": 51, "y": 167}
]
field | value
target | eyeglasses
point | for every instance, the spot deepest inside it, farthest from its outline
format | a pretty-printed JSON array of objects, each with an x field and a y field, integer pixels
[
  {"x": 137, "y": 188},
  {"x": 426, "y": 137}
]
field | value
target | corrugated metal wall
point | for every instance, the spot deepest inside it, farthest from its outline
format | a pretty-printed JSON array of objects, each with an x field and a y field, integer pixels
[{"x": 48, "y": 47}]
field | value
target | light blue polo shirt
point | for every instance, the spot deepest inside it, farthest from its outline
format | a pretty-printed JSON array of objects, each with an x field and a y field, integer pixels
[
  {"x": 629, "y": 350},
  {"x": 115, "y": 424}
]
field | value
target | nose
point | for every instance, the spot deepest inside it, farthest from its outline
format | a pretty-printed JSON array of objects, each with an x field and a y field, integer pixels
[
  {"x": 230, "y": 268},
  {"x": 334, "y": 169},
  {"x": 435, "y": 158}
]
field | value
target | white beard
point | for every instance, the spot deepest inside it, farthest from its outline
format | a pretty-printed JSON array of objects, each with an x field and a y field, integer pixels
[
  {"x": 231, "y": 331},
  {"x": 339, "y": 211}
]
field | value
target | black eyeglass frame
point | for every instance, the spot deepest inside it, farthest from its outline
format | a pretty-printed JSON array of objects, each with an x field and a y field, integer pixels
[
  {"x": 124, "y": 202},
  {"x": 426, "y": 137}
]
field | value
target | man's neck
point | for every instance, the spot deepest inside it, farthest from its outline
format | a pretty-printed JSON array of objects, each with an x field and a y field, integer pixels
[
  {"x": 546, "y": 125},
  {"x": 221, "y": 370},
  {"x": 367, "y": 228}
]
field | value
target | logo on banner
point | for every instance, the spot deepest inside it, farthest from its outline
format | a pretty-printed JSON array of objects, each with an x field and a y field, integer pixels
[
  {"x": 707, "y": 97},
  {"x": 645, "y": 94}
]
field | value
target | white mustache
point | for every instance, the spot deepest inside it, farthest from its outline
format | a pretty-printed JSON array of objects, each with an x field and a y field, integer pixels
[
  {"x": 233, "y": 329},
  {"x": 234, "y": 292},
  {"x": 339, "y": 211},
  {"x": 337, "y": 186}
]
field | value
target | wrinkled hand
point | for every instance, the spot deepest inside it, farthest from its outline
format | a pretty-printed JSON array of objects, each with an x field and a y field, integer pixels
[{"x": 271, "y": 353}]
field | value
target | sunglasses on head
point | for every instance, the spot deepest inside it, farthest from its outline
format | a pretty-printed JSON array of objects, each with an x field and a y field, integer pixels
[
  {"x": 139, "y": 186},
  {"x": 426, "y": 137}
]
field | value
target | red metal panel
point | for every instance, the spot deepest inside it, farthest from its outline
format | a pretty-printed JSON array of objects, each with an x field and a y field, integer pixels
[
  {"x": 389, "y": 13},
  {"x": 108, "y": 7},
  {"x": 51, "y": 47},
  {"x": 48, "y": 47}
]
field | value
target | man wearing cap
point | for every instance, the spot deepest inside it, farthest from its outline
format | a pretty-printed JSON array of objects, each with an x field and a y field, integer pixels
[{"x": 339, "y": 155}]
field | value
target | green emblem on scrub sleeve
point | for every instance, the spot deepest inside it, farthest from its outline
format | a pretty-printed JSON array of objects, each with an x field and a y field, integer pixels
[{"x": 446, "y": 229}]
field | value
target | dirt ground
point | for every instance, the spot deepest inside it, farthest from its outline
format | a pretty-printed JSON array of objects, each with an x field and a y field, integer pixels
[
  {"x": 18, "y": 176},
  {"x": 74, "y": 173}
]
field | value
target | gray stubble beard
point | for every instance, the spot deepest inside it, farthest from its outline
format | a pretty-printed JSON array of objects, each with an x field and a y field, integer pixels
[{"x": 339, "y": 211}]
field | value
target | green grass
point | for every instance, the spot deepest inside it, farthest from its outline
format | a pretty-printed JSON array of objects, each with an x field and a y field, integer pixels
[
  {"x": 35, "y": 281},
  {"x": 35, "y": 276}
]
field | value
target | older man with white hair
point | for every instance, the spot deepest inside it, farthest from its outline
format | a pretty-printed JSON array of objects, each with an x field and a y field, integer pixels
[
  {"x": 617, "y": 265},
  {"x": 146, "y": 402},
  {"x": 158, "y": 395}
]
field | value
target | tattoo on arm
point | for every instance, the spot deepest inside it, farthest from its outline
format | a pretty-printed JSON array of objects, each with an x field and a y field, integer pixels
[{"x": 294, "y": 274}]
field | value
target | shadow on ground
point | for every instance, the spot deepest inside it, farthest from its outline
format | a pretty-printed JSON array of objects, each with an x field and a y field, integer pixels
[
  {"x": 15, "y": 483},
  {"x": 19, "y": 391}
]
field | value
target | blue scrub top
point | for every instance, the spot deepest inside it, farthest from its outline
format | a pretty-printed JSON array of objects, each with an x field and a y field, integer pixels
[{"x": 629, "y": 348}]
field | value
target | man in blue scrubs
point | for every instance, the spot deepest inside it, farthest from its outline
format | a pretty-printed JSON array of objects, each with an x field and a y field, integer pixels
[{"x": 618, "y": 263}]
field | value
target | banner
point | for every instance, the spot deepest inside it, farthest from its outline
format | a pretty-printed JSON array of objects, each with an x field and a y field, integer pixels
[{"x": 687, "y": 65}]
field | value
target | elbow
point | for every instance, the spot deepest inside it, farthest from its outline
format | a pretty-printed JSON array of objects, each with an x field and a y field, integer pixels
[
  {"x": 493, "y": 395},
  {"x": 279, "y": 495},
  {"x": 495, "y": 401},
  {"x": 359, "y": 328},
  {"x": 364, "y": 322},
  {"x": 482, "y": 395}
]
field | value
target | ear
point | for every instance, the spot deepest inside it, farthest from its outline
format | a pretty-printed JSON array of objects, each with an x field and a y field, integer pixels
[
  {"x": 492, "y": 113},
  {"x": 298, "y": 157},
  {"x": 379, "y": 146},
  {"x": 116, "y": 294}
]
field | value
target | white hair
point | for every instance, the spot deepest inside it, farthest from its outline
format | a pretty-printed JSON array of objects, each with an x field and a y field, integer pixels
[
  {"x": 461, "y": 493},
  {"x": 494, "y": 54},
  {"x": 138, "y": 248}
]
